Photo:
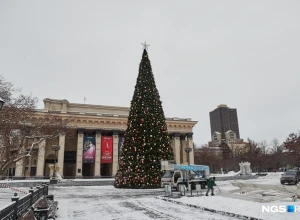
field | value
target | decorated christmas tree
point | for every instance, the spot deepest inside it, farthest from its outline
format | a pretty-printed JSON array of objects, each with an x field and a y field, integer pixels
[{"x": 146, "y": 140}]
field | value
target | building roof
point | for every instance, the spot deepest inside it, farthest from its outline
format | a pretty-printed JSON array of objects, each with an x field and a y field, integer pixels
[
  {"x": 222, "y": 106},
  {"x": 64, "y": 106}
]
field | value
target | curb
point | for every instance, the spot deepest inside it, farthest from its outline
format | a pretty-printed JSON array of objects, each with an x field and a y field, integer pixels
[
  {"x": 230, "y": 214},
  {"x": 63, "y": 183}
]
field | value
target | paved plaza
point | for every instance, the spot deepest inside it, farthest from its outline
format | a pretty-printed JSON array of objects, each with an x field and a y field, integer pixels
[{"x": 107, "y": 202}]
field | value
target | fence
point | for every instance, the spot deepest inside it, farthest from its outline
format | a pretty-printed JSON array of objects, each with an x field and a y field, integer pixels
[{"x": 20, "y": 205}]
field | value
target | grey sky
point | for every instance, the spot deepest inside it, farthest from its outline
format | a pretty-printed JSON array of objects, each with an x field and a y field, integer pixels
[{"x": 203, "y": 53}]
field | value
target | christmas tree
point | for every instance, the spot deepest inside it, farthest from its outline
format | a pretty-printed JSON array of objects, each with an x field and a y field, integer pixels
[{"x": 146, "y": 140}]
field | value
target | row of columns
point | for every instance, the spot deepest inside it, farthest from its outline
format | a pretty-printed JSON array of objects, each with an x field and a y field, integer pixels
[
  {"x": 97, "y": 169},
  {"x": 179, "y": 142}
]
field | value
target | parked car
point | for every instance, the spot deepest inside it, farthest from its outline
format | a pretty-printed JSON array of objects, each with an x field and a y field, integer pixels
[{"x": 290, "y": 177}]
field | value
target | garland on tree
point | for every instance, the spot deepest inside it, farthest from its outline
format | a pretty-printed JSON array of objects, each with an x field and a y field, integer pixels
[{"x": 146, "y": 140}]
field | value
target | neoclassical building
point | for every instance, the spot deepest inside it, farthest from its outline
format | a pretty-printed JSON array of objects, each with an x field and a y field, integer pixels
[{"x": 95, "y": 150}]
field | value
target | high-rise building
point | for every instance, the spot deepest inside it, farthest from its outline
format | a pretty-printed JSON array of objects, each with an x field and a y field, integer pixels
[{"x": 224, "y": 119}]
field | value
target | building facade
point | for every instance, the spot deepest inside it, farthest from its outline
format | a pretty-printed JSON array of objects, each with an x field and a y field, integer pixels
[
  {"x": 101, "y": 127},
  {"x": 236, "y": 145},
  {"x": 223, "y": 119}
]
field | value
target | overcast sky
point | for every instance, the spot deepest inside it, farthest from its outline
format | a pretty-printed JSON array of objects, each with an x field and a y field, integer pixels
[{"x": 245, "y": 54}]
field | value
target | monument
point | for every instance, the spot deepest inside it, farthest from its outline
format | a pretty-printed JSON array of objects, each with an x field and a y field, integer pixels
[
  {"x": 57, "y": 167},
  {"x": 245, "y": 168}
]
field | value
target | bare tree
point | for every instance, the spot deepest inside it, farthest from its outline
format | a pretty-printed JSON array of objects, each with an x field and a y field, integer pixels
[
  {"x": 292, "y": 146},
  {"x": 208, "y": 156},
  {"x": 264, "y": 147},
  {"x": 22, "y": 127},
  {"x": 274, "y": 146}
]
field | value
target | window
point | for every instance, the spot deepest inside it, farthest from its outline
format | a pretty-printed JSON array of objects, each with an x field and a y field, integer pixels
[
  {"x": 291, "y": 172},
  {"x": 168, "y": 174}
]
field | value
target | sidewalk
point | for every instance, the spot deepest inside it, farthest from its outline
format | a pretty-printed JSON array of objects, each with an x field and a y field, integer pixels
[{"x": 238, "y": 208}]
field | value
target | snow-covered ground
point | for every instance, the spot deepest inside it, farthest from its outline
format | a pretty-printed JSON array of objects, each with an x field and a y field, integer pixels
[
  {"x": 106, "y": 202},
  {"x": 244, "y": 197},
  {"x": 255, "y": 193}
]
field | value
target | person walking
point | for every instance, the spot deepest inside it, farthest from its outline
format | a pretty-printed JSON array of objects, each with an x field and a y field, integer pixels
[
  {"x": 10, "y": 176},
  {"x": 210, "y": 186}
]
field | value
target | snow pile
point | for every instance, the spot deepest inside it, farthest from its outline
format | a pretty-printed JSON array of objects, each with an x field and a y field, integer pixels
[{"x": 230, "y": 173}]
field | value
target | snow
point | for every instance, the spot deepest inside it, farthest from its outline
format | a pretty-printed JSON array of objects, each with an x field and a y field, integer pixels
[
  {"x": 109, "y": 203},
  {"x": 243, "y": 197},
  {"x": 230, "y": 173},
  {"x": 24, "y": 181},
  {"x": 229, "y": 201}
]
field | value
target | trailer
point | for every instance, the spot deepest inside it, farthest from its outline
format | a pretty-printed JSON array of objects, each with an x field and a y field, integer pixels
[{"x": 178, "y": 174}]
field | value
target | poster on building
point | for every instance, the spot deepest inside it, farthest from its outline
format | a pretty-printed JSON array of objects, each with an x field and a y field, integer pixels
[
  {"x": 89, "y": 149},
  {"x": 106, "y": 149}
]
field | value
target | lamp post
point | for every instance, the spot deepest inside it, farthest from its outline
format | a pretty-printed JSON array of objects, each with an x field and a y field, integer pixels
[
  {"x": 1, "y": 103},
  {"x": 188, "y": 150},
  {"x": 54, "y": 180}
]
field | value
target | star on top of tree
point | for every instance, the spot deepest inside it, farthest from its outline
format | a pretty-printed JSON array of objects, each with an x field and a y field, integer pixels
[{"x": 145, "y": 45}]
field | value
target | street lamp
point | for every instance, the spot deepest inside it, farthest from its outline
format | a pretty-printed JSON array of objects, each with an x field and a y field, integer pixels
[
  {"x": 188, "y": 150},
  {"x": 53, "y": 180},
  {"x": 1, "y": 103}
]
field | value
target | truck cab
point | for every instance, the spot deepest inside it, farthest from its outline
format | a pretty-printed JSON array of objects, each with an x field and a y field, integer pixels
[{"x": 178, "y": 174}]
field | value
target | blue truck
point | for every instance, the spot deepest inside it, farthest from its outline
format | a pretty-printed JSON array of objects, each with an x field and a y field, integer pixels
[{"x": 178, "y": 174}]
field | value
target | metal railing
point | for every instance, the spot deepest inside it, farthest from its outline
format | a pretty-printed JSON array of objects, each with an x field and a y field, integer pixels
[{"x": 20, "y": 205}]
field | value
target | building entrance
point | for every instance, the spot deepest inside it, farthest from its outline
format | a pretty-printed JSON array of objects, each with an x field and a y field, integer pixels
[
  {"x": 106, "y": 169},
  {"x": 88, "y": 170},
  {"x": 70, "y": 164}
]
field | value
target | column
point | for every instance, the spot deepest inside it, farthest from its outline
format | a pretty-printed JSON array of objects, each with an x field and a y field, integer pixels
[
  {"x": 79, "y": 154},
  {"x": 19, "y": 173},
  {"x": 171, "y": 138},
  {"x": 176, "y": 144},
  {"x": 61, "y": 153},
  {"x": 183, "y": 145},
  {"x": 98, "y": 155},
  {"x": 191, "y": 145},
  {"x": 115, "y": 152},
  {"x": 41, "y": 160}
]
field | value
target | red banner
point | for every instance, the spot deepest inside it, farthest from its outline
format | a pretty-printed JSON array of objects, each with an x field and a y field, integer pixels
[{"x": 106, "y": 149}]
